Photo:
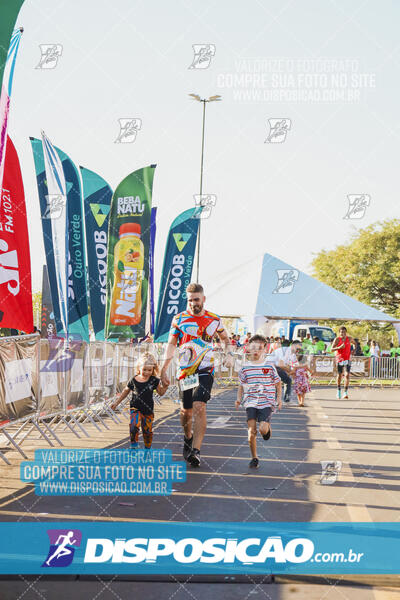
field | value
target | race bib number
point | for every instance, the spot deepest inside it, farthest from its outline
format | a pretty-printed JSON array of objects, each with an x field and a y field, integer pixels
[
  {"x": 191, "y": 381},
  {"x": 343, "y": 363}
]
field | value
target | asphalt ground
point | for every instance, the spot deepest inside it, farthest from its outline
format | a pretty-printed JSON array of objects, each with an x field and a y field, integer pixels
[{"x": 362, "y": 433}]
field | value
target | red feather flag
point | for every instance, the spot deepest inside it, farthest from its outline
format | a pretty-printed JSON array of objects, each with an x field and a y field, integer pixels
[{"x": 16, "y": 309}]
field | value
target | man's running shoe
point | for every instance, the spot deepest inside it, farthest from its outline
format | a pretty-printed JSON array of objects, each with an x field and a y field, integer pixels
[
  {"x": 254, "y": 463},
  {"x": 339, "y": 394},
  {"x": 187, "y": 447},
  {"x": 346, "y": 395},
  {"x": 194, "y": 458},
  {"x": 266, "y": 436},
  {"x": 134, "y": 446}
]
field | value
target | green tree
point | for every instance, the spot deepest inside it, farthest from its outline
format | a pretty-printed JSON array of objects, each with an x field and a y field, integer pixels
[{"x": 367, "y": 269}]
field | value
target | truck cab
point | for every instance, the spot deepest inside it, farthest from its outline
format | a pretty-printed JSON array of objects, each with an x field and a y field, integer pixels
[{"x": 325, "y": 334}]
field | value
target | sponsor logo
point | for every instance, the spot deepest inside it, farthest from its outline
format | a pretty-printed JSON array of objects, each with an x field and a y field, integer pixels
[
  {"x": 100, "y": 213},
  {"x": 286, "y": 281},
  {"x": 181, "y": 239},
  {"x": 128, "y": 129},
  {"x": 63, "y": 543},
  {"x": 100, "y": 240},
  {"x": 358, "y": 204},
  {"x": 190, "y": 550},
  {"x": 9, "y": 268},
  {"x": 203, "y": 54},
  {"x": 130, "y": 204},
  {"x": 50, "y": 53},
  {"x": 175, "y": 282},
  {"x": 278, "y": 129}
]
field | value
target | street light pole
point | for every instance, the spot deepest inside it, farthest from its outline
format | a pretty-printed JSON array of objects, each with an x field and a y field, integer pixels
[
  {"x": 203, "y": 100},
  {"x": 201, "y": 190}
]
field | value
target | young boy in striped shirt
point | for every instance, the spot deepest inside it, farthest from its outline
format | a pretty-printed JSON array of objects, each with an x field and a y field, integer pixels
[{"x": 260, "y": 390}]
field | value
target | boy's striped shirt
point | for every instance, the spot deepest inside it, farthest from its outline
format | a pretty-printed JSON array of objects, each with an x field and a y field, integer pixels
[{"x": 259, "y": 381}]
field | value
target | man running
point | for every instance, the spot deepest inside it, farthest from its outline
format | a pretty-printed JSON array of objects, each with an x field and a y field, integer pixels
[
  {"x": 342, "y": 346},
  {"x": 192, "y": 331}
]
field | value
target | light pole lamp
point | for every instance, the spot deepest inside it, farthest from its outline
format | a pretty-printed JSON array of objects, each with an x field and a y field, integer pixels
[{"x": 204, "y": 101}]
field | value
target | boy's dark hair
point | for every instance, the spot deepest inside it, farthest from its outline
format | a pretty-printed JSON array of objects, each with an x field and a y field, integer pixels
[
  {"x": 258, "y": 338},
  {"x": 195, "y": 287}
]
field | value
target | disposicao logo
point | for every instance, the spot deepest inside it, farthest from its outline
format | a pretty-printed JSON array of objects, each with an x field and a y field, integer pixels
[
  {"x": 191, "y": 550},
  {"x": 63, "y": 543}
]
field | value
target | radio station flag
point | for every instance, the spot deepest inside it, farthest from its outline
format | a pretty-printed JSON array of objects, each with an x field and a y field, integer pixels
[
  {"x": 177, "y": 270},
  {"x": 128, "y": 255},
  {"x": 38, "y": 157},
  {"x": 97, "y": 196},
  {"x": 5, "y": 96},
  {"x": 15, "y": 264},
  {"x": 153, "y": 230},
  {"x": 77, "y": 303}
]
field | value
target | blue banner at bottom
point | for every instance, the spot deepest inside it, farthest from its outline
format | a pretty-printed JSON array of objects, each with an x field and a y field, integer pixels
[{"x": 199, "y": 548}]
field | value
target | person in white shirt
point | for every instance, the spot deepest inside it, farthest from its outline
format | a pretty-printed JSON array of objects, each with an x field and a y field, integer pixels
[{"x": 279, "y": 358}]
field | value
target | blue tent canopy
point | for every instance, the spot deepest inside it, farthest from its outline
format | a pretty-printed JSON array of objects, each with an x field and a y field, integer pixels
[{"x": 269, "y": 287}]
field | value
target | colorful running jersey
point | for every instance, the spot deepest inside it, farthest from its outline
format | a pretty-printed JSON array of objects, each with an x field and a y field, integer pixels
[
  {"x": 194, "y": 335},
  {"x": 258, "y": 381},
  {"x": 343, "y": 354}
]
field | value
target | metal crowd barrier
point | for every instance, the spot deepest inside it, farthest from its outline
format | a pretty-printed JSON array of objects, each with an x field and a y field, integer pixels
[
  {"x": 49, "y": 384},
  {"x": 365, "y": 370}
]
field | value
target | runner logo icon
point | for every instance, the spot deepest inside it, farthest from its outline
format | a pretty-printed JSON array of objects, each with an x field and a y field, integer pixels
[
  {"x": 286, "y": 280},
  {"x": 203, "y": 54},
  {"x": 278, "y": 129},
  {"x": 63, "y": 543},
  {"x": 358, "y": 204}
]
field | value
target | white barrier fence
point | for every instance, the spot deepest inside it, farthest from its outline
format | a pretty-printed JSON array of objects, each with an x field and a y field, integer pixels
[{"x": 45, "y": 384}]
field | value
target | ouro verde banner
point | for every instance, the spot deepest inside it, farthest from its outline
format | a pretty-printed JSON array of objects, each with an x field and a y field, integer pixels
[
  {"x": 177, "y": 270},
  {"x": 97, "y": 198},
  {"x": 128, "y": 255}
]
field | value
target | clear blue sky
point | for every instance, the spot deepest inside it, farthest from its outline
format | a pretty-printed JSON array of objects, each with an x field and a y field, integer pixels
[{"x": 131, "y": 59}]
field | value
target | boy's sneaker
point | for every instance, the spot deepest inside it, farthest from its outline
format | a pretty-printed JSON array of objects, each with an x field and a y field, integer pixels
[
  {"x": 254, "y": 463},
  {"x": 266, "y": 436},
  {"x": 134, "y": 446},
  {"x": 194, "y": 458},
  {"x": 346, "y": 395},
  {"x": 187, "y": 447},
  {"x": 339, "y": 394}
]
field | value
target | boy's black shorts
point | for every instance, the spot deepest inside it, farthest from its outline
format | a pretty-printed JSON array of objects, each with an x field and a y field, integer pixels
[
  {"x": 201, "y": 393},
  {"x": 259, "y": 414}
]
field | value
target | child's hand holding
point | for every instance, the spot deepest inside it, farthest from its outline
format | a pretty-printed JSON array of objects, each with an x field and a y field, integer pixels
[{"x": 114, "y": 405}]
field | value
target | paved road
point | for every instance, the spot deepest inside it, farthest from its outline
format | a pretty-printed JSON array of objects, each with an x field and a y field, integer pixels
[{"x": 363, "y": 433}]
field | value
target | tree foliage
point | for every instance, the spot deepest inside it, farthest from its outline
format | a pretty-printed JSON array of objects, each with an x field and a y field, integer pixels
[{"x": 367, "y": 268}]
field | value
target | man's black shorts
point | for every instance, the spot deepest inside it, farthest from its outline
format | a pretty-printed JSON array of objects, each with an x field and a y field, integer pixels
[
  {"x": 341, "y": 367},
  {"x": 201, "y": 393}
]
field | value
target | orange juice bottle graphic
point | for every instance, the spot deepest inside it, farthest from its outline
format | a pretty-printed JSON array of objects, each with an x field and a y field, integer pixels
[{"x": 126, "y": 301}]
